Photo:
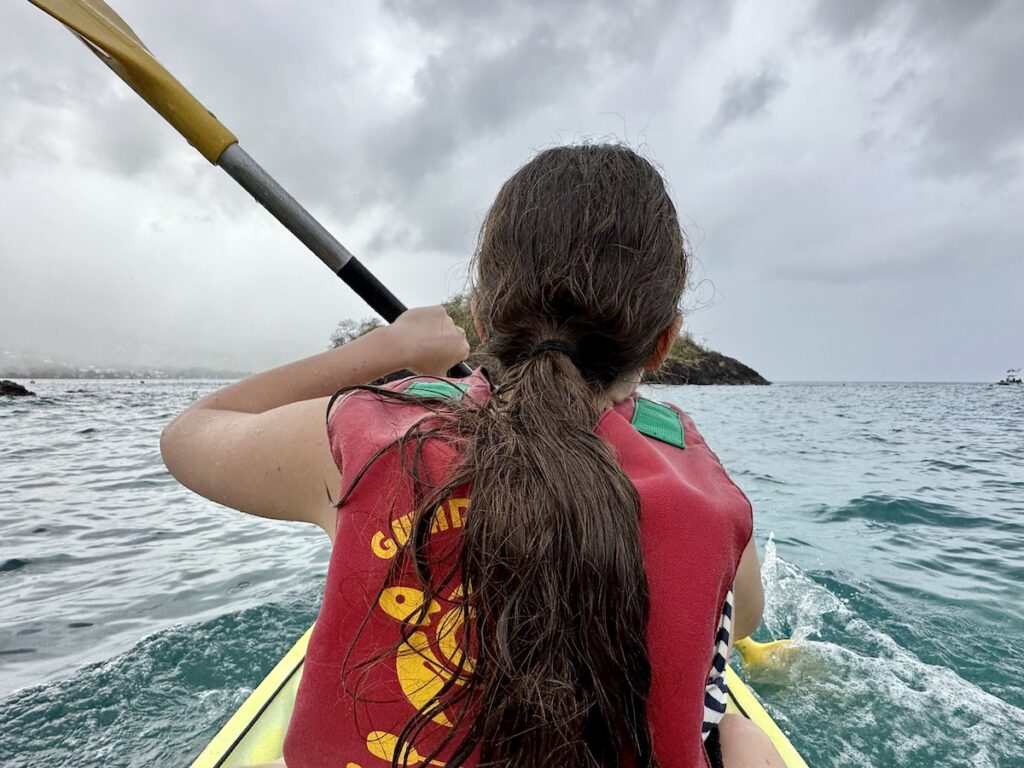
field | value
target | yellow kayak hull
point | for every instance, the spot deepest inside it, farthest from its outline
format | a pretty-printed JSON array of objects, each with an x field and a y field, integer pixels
[{"x": 255, "y": 733}]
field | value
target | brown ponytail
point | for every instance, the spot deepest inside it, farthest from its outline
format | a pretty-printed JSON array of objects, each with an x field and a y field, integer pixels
[{"x": 581, "y": 246}]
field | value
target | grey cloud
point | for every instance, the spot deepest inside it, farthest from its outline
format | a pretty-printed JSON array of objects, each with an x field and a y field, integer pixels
[
  {"x": 974, "y": 117},
  {"x": 951, "y": 19},
  {"x": 124, "y": 140},
  {"x": 745, "y": 97},
  {"x": 618, "y": 21},
  {"x": 597, "y": 31},
  {"x": 267, "y": 72},
  {"x": 842, "y": 19},
  {"x": 438, "y": 14},
  {"x": 396, "y": 125},
  {"x": 70, "y": 108},
  {"x": 938, "y": 19},
  {"x": 480, "y": 86},
  {"x": 47, "y": 86},
  {"x": 391, "y": 237},
  {"x": 494, "y": 67},
  {"x": 950, "y": 80},
  {"x": 462, "y": 102},
  {"x": 931, "y": 258},
  {"x": 33, "y": 103}
]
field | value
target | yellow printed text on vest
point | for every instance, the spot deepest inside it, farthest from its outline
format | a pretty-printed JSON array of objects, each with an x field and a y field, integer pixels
[{"x": 450, "y": 514}]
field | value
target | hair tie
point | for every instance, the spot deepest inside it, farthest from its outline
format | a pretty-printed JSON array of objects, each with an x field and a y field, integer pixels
[{"x": 556, "y": 345}]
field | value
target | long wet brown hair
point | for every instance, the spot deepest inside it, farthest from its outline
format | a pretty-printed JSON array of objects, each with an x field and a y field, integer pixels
[{"x": 581, "y": 246}]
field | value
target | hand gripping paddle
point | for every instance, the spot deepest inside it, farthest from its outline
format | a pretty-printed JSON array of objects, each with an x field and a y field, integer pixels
[{"x": 105, "y": 33}]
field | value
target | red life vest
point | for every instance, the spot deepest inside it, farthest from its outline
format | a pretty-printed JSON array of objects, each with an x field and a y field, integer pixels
[{"x": 694, "y": 525}]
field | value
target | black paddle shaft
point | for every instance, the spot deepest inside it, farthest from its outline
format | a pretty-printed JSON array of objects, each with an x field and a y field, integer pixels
[{"x": 286, "y": 209}]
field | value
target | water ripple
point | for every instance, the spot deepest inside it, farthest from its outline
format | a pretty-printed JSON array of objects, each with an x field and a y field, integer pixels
[{"x": 899, "y": 511}]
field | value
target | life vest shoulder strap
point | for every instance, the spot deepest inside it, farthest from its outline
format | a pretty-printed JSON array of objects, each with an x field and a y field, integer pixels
[
  {"x": 659, "y": 421},
  {"x": 445, "y": 390},
  {"x": 653, "y": 419}
]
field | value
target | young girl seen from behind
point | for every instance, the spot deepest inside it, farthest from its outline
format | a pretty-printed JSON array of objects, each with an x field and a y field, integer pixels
[{"x": 533, "y": 566}]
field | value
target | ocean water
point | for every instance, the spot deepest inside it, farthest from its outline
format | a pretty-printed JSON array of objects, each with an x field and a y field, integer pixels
[{"x": 135, "y": 617}]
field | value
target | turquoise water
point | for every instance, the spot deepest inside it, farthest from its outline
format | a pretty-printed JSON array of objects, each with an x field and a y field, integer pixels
[{"x": 135, "y": 617}]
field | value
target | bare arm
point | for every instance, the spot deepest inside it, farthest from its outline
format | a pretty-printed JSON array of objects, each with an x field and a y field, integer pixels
[
  {"x": 748, "y": 594},
  {"x": 260, "y": 445}
]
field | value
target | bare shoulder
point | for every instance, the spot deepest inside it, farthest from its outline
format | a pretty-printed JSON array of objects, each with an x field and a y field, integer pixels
[{"x": 275, "y": 464}]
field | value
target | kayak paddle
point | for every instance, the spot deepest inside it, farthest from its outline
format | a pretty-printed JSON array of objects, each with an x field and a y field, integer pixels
[
  {"x": 107, "y": 35},
  {"x": 755, "y": 654}
]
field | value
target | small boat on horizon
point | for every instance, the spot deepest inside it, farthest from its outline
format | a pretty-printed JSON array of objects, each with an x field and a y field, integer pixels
[{"x": 1012, "y": 377}]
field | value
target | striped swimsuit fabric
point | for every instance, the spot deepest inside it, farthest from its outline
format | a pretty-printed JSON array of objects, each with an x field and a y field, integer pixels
[{"x": 715, "y": 692}]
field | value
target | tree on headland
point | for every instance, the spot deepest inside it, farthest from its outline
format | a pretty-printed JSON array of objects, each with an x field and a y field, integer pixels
[
  {"x": 350, "y": 330},
  {"x": 688, "y": 362},
  {"x": 457, "y": 307}
]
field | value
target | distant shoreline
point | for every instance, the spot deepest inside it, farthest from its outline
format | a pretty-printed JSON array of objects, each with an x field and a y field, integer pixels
[
  {"x": 155, "y": 374},
  {"x": 794, "y": 382}
]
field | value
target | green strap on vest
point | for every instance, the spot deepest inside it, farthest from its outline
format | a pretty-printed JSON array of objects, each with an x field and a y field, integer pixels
[
  {"x": 649, "y": 418},
  {"x": 658, "y": 421},
  {"x": 437, "y": 389}
]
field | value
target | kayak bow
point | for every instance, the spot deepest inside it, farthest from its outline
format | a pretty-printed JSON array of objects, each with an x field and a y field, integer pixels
[{"x": 255, "y": 733}]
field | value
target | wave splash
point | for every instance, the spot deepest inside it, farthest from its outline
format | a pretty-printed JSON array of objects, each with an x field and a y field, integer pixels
[
  {"x": 852, "y": 695},
  {"x": 160, "y": 702}
]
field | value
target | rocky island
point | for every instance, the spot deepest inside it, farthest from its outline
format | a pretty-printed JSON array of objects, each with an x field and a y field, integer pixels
[
  {"x": 691, "y": 363},
  {"x": 688, "y": 362},
  {"x": 13, "y": 389}
]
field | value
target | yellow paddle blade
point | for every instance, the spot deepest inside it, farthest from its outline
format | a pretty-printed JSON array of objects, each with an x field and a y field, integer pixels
[
  {"x": 107, "y": 35},
  {"x": 757, "y": 654}
]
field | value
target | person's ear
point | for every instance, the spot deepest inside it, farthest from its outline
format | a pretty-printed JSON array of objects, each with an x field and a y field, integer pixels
[
  {"x": 477, "y": 325},
  {"x": 663, "y": 347}
]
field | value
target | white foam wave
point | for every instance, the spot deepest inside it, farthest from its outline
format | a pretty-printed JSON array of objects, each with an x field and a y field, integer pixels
[
  {"x": 861, "y": 699},
  {"x": 795, "y": 606}
]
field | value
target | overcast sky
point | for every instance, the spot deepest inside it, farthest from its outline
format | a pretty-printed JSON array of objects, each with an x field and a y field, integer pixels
[{"x": 849, "y": 173}]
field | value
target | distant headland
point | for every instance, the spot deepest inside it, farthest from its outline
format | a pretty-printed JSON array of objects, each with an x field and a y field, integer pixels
[
  {"x": 688, "y": 362},
  {"x": 691, "y": 363},
  {"x": 24, "y": 366}
]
